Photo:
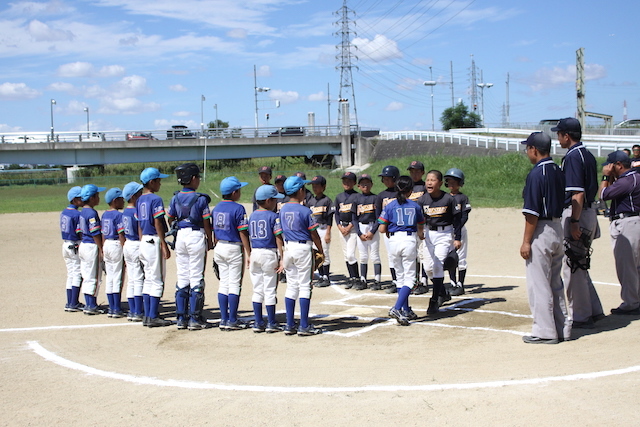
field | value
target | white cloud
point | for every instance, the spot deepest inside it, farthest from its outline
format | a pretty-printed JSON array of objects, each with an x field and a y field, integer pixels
[
  {"x": 76, "y": 107},
  {"x": 111, "y": 71},
  {"x": 546, "y": 78},
  {"x": 42, "y": 32},
  {"x": 177, "y": 88},
  {"x": 182, "y": 113},
  {"x": 130, "y": 86},
  {"x": 12, "y": 91},
  {"x": 379, "y": 49},
  {"x": 6, "y": 128},
  {"x": 237, "y": 33},
  {"x": 263, "y": 71},
  {"x": 110, "y": 105},
  {"x": 285, "y": 97},
  {"x": 76, "y": 69},
  {"x": 31, "y": 8},
  {"x": 61, "y": 87},
  {"x": 320, "y": 96},
  {"x": 394, "y": 106}
]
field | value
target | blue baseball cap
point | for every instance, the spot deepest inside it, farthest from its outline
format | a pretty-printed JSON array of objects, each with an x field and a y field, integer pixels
[
  {"x": 112, "y": 194},
  {"x": 151, "y": 173},
  {"x": 89, "y": 190},
  {"x": 293, "y": 184},
  {"x": 616, "y": 156},
  {"x": 265, "y": 192},
  {"x": 231, "y": 184},
  {"x": 73, "y": 193},
  {"x": 130, "y": 189}
]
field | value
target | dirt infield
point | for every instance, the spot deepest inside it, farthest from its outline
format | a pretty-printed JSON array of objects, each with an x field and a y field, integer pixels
[{"x": 469, "y": 366}]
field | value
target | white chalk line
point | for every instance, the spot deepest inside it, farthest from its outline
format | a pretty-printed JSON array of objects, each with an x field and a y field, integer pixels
[
  {"x": 50, "y": 328},
  {"x": 143, "y": 380}
]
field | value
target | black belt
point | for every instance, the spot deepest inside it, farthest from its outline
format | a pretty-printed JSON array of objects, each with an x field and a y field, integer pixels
[
  {"x": 438, "y": 227},
  {"x": 409, "y": 233},
  {"x": 344, "y": 223},
  {"x": 193, "y": 228},
  {"x": 302, "y": 242},
  {"x": 369, "y": 222},
  {"x": 547, "y": 218},
  {"x": 624, "y": 215}
]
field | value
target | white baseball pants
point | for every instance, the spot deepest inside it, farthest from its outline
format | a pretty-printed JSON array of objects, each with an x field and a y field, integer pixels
[
  {"x": 230, "y": 262},
  {"x": 135, "y": 274},
  {"x": 91, "y": 268},
  {"x": 113, "y": 263},
  {"x": 370, "y": 249},
  {"x": 437, "y": 244},
  {"x": 190, "y": 252},
  {"x": 72, "y": 262},
  {"x": 298, "y": 261},
  {"x": 403, "y": 249},
  {"x": 262, "y": 270},
  {"x": 153, "y": 264}
]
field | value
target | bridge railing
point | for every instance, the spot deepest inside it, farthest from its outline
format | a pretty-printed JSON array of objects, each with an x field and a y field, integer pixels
[
  {"x": 170, "y": 134},
  {"x": 600, "y": 145}
]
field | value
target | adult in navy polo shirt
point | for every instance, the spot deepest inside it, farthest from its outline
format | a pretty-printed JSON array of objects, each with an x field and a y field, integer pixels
[
  {"x": 579, "y": 223},
  {"x": 542, "y": 246},
  {"x": 621, "y": 185}
]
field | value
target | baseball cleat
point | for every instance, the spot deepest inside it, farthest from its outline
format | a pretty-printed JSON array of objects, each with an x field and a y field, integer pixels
[
  {"x": 399, "y": 316},
  {"x": 633, "y": 311},
  {"x": 409, "y": 314},
  {"x": 350, "y": 283},
  {"x": 198, "y": 324},
  {"x": 419, "y": 290},
  {"x": 157, "y": 322},
  {"x": 92, "y": 311},
  {"x": 73, "y": 308},
  {"x": 375, "y": 286},
  {"x": 392, "y": 290},
  {"x": 258, "y": 327},
  {"x": 308, "y": 331},
  {"x": 117, "y": 314},
  {"x": 456, "y": 291},
  {"x": 137, "y": 318},
  {"x": 433, "y": 309},
  {"x": 290, "y": 330},
  {"x": 273, "y": 328},
  {"x": 237, "y": 325},
  {"x": 182, "y": 322},
  {"x": 536, "y": 340},
  {"x": 223, "y": 325}
]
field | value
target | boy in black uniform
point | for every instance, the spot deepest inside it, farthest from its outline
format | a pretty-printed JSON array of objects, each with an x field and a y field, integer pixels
[
  {"x": 346, "y": 221},
  {"x": 389, "y": 175},
  {"x": 416, "y": 171},
  {"x": 307, "y": 194},
  {"x": 453, "y": 180},
  {"x": 322, "y": 211},
  {"x": 368, "y": 238}
]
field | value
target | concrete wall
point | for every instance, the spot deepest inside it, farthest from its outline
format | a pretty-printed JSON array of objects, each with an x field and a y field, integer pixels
[{"x": 388, "y": 149}]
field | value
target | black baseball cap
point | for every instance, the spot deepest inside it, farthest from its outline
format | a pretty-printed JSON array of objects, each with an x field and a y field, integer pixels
[
  {"x": 416, "y": 165},
  {"x": 539, "y": 140},
  {"x": 301, "y": 175},
  {"x": 265, "y": 169},
  {"x": 568, "y": 124},
  {"x": 319, "y": 179},
  {"x": 280, "y": 178},
  {"x": 349, "y": 175},
  {"x": 364, "y": 176},
  {"x": 616, "y": 156}
]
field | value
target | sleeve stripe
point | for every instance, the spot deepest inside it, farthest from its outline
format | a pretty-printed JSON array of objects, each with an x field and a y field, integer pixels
[
  {"x": 529, "y": 211},
  {"x": 313, "y": 227},
  {"x": 159, "y": 214},
  {"x": 243, "y": 227}
]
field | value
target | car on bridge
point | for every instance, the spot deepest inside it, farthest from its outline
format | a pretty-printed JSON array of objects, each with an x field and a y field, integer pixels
[
  {"x": 179, "y": 132},
  {"x": 92, "y": 137},
  {"x": 288, "y": 131},
  {"x": 140, "y": 136}
]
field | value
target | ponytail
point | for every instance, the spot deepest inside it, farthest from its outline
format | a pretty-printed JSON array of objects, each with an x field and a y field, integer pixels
[{"x": 404, "y": 185}]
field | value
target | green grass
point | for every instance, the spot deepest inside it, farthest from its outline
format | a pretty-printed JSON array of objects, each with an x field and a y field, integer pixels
[{"x": 490, "y": 181}]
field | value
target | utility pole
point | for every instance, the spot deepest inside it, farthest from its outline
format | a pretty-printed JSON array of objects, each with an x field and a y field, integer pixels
[
  {"x": 580, "y": 86},
  {"x": 451, "y": 66},
  {"x": 508, "y": 117},
  {"x": 345, "y": 56},
  {"x": 328, "y": 108},
  {"x": 474, "y": 91}
]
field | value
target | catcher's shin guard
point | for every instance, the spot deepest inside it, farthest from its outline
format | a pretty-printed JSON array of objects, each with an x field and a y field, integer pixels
[
  {"x": 182, "y": 301},
  {"x": 196, "y": 301}
]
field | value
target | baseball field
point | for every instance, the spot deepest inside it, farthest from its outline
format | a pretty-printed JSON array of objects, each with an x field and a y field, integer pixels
[{"x": 467, "y": 367}]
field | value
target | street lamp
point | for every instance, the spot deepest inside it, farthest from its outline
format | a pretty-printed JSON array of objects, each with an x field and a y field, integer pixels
[
  {"x": 86, "y": 110},
  {"x": 431, "y": 83},
  {"x": 215, "y": 106},
  {"x": 53, "y": 102},
  {"x": 255, "y": 92},
  {"x": 482, "y": 86},
  {"x": 204, "y": 162}
]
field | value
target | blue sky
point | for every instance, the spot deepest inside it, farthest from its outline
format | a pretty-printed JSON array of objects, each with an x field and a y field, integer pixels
[{"x": 144, "y": 64}]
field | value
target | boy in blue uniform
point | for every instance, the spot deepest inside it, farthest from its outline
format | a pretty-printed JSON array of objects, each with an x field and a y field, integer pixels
[
  {"x": 90, "y": 250},
  {"x": 131, "y": 251},
  {"x": 300, "y": 230},
  {"x": 154, "y": 250},
  {"x": 191, "y": 212},
  {"x": 403, "y": 222},
  {"x": 113, "y": 235},
  {"x": 542, "y": 246},
  {"x": 265, "y": 263},
  {"x": 231, "y": 249},
  {"x": 70, "y": 230}
]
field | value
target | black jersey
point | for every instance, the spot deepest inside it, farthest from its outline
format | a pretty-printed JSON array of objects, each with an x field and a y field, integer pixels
[
  {"x": 346, "y": 203},
  {"x": 418, "y": 190},
  {"x": 463, "y": 206},
  {"x": 366, "y": 210},
  {"x": 321, "y": 209},
  {"x": 440, "y": 212},
  {"x": 282, "y": 202},
  {"x": 383, "y": 199}
]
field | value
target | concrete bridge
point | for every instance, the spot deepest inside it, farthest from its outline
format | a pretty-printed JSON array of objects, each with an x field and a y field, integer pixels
[{"x": 112, "y": 152}]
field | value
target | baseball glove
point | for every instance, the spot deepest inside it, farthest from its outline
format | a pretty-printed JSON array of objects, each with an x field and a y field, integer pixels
[
  {"x": 451, "y": 260},
  {"x": 318, "y": 259},
  {"x": 216, "y": 270}
]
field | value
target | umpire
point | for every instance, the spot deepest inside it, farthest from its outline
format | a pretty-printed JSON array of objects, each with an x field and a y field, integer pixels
[
  {"x": 621, "y": 185},
  {"x": 579, "y": 223},
  {"x": 542, "y": 244}
]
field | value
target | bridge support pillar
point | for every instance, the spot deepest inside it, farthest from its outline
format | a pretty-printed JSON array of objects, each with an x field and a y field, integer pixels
[
  {"x": 345, "y": 131},
  {"x": 71, "y": 174}
]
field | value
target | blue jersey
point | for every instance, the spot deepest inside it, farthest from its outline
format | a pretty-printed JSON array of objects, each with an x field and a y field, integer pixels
[
  {"x": 149, "y": 206},
  {"x": 89, "y": 224},
  {"x": 190, "y": 209},
  {"x": 401, "y": 217},
  {"x": 297, "y": 222},
  {"x": 264, "y": 226},
  {"x": 112, "y": 224},
  {"x": 544, "y": 190},
  {"x": 581, "y": 174},
  {"x": 229, "y": 219},
  {"x": 70, "y": 223},
  {"x": 130, "y": 223}
]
